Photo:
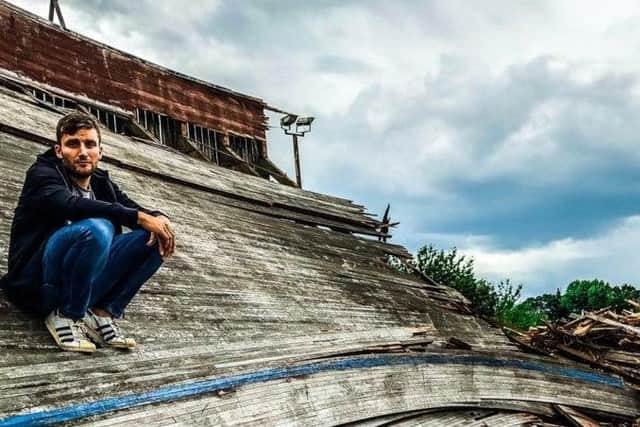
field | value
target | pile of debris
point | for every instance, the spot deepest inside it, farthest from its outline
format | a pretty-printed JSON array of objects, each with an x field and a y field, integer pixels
[{"x": 603, "y": 339}]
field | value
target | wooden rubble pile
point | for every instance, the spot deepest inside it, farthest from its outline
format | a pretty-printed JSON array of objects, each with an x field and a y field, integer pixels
[{"x": 604, "y": 339}]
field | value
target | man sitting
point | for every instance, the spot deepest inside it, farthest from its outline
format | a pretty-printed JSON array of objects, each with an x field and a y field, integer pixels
[{"x": 68, "y": 257}]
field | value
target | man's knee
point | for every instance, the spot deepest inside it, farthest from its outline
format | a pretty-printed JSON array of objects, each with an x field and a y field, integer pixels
[
  {"x": 99, "y": 230},
  {"x": 140, "y": 238}
]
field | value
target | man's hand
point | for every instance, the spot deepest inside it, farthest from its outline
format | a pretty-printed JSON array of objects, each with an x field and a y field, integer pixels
[{"x": 161, "y": 230}]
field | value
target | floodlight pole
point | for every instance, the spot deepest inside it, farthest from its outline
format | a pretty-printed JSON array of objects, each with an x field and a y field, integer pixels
[
  {"x": 303, "y": 125},
  {"x": 296, "y": 156}
]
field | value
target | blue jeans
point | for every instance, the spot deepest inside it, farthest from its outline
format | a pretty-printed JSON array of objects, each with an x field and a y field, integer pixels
[{"x": 85, "y": 265}]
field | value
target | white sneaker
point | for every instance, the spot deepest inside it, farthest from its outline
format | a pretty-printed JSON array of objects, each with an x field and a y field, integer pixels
[
  {"x": 68, "y": 334},
  {"x": 105, "y": 332}
]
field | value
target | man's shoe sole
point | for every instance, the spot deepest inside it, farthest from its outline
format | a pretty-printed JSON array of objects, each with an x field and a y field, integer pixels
[{"x": 54, "y": 334}]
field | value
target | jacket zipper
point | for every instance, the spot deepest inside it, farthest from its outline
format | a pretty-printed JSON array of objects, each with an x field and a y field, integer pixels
[{"x": 113, "y": 192}]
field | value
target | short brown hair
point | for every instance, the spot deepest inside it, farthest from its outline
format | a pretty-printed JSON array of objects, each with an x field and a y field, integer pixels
[{"x": 72, "y": 122}]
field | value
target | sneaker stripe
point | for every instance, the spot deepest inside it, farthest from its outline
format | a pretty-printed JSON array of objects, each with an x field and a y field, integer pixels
[
  {"x": 105, "y": 331},
  {"x": 68, "y": 334}
]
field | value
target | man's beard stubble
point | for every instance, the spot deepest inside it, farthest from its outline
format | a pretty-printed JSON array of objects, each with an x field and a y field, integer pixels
[{"x": 73, "y": 173}]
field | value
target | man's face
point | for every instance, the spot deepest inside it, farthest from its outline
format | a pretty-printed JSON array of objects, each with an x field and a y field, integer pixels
[{"x": 80, "y": 152}]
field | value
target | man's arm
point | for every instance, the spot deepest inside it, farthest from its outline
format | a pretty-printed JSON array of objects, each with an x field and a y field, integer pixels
[
  {"x": 154, "y": 222},
  {"x": 46, "y": 192},
  {"x": 160, "y": 227}
]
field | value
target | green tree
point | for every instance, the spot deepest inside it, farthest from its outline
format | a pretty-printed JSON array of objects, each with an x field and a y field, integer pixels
[
  {"x": 596, "y": 294},
  {"x": 506, "y": 298},
  {"x": 587, "y": 295},
  {"x": 453, "y": 269},
  {"x": 522, "y": 316},
  {"x": 621, "y": 294},
  {"x": 513, "y": 314},
  {"x": 549, "y": 305},
  {"x": 446, "y": 267}
]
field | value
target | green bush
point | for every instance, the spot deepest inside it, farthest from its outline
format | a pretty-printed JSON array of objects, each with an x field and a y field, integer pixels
[{"x": 521, "y": 316}]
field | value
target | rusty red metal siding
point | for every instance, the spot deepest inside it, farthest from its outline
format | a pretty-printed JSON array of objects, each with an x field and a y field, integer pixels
[{"x": 48, "y": 54}]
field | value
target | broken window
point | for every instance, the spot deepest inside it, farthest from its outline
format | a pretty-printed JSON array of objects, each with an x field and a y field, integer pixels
[
  {"x": 245, "y": 147},
  {"x": 110, "y": 120},
  {"x": 58, "y": 101},
  {"x": 208, "y": 141},
  {"x": 151, "y": 122},
  {"x": 163, "y": 127},
  {"x": 114, "y": 122}
]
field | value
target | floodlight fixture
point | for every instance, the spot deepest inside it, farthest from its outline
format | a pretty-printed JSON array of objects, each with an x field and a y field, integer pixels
[
  {"x": 303, "y": 125},
  {"x": 288, "y": 120},
  {"x": 305, "y": 121}
]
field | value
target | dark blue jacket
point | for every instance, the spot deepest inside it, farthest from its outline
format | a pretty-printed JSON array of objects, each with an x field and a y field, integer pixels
[{"x": 45, "y": 205}]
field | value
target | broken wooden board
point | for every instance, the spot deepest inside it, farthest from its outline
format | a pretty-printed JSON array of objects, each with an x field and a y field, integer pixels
[
  {"x": 603, "y": 339},
  {"x": 576, "y": 418}
]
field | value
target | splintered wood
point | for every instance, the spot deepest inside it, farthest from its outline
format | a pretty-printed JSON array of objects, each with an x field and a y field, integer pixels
[{"x": 604, "y": 339}]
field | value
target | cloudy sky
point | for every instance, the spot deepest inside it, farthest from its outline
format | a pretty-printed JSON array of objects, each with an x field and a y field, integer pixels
[{"x": 507, "y": 129}]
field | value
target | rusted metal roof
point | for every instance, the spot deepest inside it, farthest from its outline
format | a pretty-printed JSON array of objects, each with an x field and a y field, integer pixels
[{"x": 49, "y": 54}]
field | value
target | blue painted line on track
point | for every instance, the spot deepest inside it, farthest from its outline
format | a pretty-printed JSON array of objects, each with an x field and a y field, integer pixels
[{"x": 169, "y": 393}]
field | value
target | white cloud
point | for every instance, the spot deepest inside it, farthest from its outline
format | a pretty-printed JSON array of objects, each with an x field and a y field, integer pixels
[{"x": 611, "y": 255}]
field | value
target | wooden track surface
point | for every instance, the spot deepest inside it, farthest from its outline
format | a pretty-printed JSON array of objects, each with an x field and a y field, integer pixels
[{"x": 249, "y": 290}]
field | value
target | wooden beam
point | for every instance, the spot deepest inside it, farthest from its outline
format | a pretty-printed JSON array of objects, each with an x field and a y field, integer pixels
[
  {"x": 54, "y": 6},
  {"x": 276, "y": 172},
  {"x": 194, "y": 148},
  {"x": 59, "y": 13},
  {"x": 576, "y": 418},
  {"x": 242, "y": 164},
  {"x": 631, "y": 329}
]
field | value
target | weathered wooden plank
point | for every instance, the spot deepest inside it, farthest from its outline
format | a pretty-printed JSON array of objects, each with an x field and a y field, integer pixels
[
  {"x": 630, "y": 329},
  {"x": 470, "y": 418},
  {"x": 251, "y": 278},
  {"x": 249, "y": 291},
  {"x": 324, "y": 399}
]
